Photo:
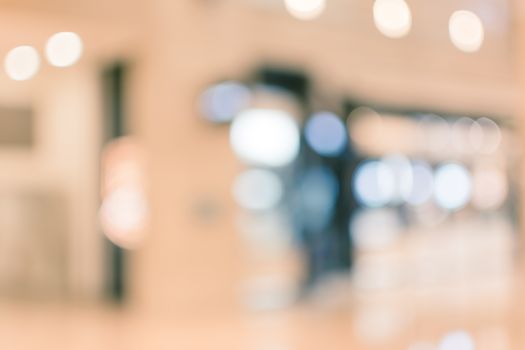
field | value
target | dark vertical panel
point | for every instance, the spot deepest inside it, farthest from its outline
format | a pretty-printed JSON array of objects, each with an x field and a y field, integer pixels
[{"x": 114, "y": 122}]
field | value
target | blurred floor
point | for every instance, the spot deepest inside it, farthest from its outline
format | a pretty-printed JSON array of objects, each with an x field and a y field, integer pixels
[{"x": 333, "y": 321}]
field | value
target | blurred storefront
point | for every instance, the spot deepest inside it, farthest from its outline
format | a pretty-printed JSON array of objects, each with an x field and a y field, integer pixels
[{"x": 246, "y": 174}]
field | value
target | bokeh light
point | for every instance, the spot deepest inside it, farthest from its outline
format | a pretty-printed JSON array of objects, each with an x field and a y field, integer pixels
[
  {"x": 466, "y": 135},
  {"x": 64, "y": 49},
  {"x": 403, "y": 177},
  {"x": 459, "y": 340},
  {"x": 422, "y": 183},
  {"x": 491, "y": 135},
  {"x": 365, "y": 126},
  {"x": 436, "y": 134},
  {"x": 490, "y": 187},
  {"x": 258, "y": 189},
  {"x": 305, "y": 9},
  {"x": 123, "y": 216},
  {"x": 122, "y": 164},
  {"x": 374, "y": 184},
  {"x": 466, "y": 31},
  {"x": 222, "y": 102},
  {"x": 124, "y": 211},
  {"x": 265, "y": 137},
  {"x": 22, "y": 63},
  {"x": 326, "y": 134},
  {"x": 392, "y": 18},
  {"x": 476, "y": 136},
  {"x": 453, "y": 186}
]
